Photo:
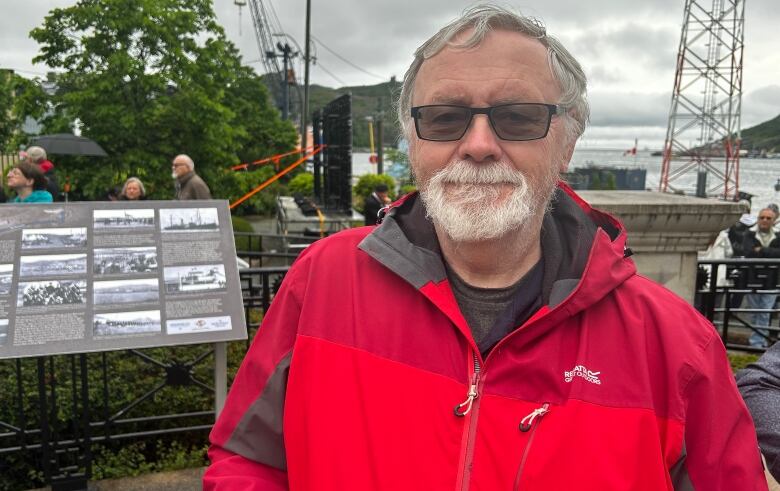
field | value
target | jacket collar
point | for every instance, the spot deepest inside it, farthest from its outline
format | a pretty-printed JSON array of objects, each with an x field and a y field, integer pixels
[{"x": 584, "y": 249}]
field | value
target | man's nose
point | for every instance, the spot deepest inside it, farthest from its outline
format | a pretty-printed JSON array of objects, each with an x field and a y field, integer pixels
[{"x": 480, "y": 142}]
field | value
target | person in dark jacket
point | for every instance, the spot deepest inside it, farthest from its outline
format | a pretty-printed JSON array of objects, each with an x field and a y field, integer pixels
[
  {"x": 761, "y": 241},
  {"x": 37, "y": 155},
  {"x": 759, "y": 384},
  {"x": 737, "y": 233},
  {"x": 188, "y": 184},
  {"x": 375, "y": 201}
]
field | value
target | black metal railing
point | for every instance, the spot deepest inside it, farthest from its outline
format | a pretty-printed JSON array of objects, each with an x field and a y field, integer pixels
[{"x": 723, "y": 288}]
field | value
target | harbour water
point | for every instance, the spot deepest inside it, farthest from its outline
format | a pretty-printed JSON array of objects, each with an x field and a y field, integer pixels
[{"x": 757, "y": 176}]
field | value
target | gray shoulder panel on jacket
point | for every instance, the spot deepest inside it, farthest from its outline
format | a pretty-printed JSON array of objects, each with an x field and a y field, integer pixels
[
  {"x": 681, "y": 481},
  {"x": 258, "y": 436},
  {"x": 388, "y": 245}
]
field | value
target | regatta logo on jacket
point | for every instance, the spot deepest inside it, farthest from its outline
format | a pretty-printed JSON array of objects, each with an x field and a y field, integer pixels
[{"x": 581, "y": 371}]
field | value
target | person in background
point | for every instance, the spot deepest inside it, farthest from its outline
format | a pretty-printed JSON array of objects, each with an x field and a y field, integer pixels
[
  {"x": 759, "y": 384},
  {"x": 132, "y": 190},
  {"x": 37, "y": 155},
  {"x": 763, "y": 242},
  {"x": 375, "y": 201},
  {"x": 188, "y": 184},
  {"x": 492, "y": 332},
  {"x": 113, "y": 193},
  {"x": 737, "y": 233},
  {"x": 28, "y": 182}
]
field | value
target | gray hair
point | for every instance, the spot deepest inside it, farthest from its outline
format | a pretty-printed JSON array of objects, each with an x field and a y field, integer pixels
[
  {"x": 484, "y": 18},
  {"x": 36, "y": 154},
  {"x": 187, "y": 160},
  {"x": 135, "y": 180}
]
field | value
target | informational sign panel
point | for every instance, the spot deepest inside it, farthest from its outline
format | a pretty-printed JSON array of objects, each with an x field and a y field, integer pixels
[{"x": 95, "y": 276}]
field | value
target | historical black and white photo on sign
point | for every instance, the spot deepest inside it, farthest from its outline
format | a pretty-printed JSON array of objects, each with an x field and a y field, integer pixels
[
  {"x": 123, "y": 323},
  {"x": 53, "y": 264},
  {"x": 186, "y": 279},
  {"x": 51, "y": 238},
  {"x": 6, "y": 278},
  {"x": 126, "y": 291},
  {"x": 121, "y": 260},
  {"x": 189, "y": 220},
  {"x": 53, "y": 292},
  {"x": 109, "y": 219},
  {"x": 3, "y": 331}
]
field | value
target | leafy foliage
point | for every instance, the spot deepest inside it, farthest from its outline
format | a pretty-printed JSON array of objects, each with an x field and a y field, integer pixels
[
  {"x": 149, "y": 79},
  {"x": 19, "y": 98},
  {"x": 303, "y": 183},
  {"x": 741, "y": 360}
]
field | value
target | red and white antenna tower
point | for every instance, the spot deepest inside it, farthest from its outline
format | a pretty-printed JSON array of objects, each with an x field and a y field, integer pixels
[{"x": 703, "y": 134}]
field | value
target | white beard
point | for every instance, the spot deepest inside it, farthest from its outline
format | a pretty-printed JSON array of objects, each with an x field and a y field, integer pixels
[{"x": 464, "y": 199}]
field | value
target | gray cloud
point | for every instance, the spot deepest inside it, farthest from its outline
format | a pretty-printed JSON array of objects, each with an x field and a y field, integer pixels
[
  {"x": 760, "y": 105},
  {"x": 627, "y": 47},
  {"x": 629, "y": 109}
]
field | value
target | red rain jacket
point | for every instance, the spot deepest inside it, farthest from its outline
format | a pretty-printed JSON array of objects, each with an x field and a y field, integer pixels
[{"x": 363, "y": 360}]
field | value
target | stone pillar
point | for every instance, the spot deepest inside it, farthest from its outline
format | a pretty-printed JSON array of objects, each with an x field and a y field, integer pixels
[{"x": 666, "y": 231}]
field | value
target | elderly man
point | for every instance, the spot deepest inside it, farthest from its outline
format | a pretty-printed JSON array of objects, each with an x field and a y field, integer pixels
[
  {"x": 189, "y": 185},
  {"x": 761, "y": 240},
  {"x": 512, "y": 344}
]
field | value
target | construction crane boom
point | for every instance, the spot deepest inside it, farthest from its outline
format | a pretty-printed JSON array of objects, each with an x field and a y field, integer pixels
[{"x": 265, "y": 27}]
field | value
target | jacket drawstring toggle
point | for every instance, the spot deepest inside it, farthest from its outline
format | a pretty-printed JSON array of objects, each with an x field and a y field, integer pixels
[
  {"x": 527, "y": 422},
  {"x": 464, "y": 407}
]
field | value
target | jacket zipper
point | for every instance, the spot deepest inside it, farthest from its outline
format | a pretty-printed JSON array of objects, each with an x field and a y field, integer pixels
[
  {"x": 469, "y": 409},
  {"x": 464, "y": 407},
  {"x": 529, "y": 423}
]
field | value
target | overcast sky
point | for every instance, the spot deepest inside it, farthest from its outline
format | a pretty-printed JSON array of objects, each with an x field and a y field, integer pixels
[{"x": 628, "y": 49}]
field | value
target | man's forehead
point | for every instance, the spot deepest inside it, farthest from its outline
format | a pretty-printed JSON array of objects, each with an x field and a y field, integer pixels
[{"x": 504, "y": 67}]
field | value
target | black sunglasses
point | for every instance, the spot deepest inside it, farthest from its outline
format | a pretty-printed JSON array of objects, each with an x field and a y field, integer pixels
[{"x": 515, "y": 122}]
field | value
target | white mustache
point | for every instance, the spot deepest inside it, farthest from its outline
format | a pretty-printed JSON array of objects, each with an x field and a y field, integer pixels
[{"x": 463, "y": 172}]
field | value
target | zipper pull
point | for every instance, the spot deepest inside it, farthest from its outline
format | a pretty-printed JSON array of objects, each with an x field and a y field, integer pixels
[
  {"x": 464, "y": 407},
  {"x": 528, "y": 421}
]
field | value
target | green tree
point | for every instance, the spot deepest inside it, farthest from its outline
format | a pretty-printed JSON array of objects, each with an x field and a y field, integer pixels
[
  {"x": 303, "y": 183},
  {"x": 149, "y": 79},
  {"x": 19, "y": 98}
]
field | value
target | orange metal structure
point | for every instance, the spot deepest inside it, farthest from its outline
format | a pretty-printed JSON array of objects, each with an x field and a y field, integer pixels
[{"x": 275, "y": 159}]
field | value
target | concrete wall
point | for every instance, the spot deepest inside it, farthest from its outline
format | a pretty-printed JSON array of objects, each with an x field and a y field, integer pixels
[{"x": 665, "y": 231}]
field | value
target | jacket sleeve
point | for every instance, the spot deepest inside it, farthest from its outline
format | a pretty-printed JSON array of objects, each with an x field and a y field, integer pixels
[
  {"x": 720, "y": 440},
  {"x": 771, "y": 251},
  {"x": 759, "y": 384},
  {"x": 247, "y": 442}
]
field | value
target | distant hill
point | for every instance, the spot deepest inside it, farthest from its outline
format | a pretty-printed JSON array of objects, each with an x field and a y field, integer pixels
[
  {"x": 763, "y": 137},
  {"x": 367, "y": 100}
]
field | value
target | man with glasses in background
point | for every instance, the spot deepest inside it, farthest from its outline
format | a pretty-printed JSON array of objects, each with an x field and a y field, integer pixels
[
  {"x": 188, "y": 184},
  {"x": 512, "y": 344}
]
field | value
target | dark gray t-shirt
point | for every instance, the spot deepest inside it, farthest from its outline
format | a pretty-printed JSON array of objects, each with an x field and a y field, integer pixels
[{"x": 494, "y": 312}]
